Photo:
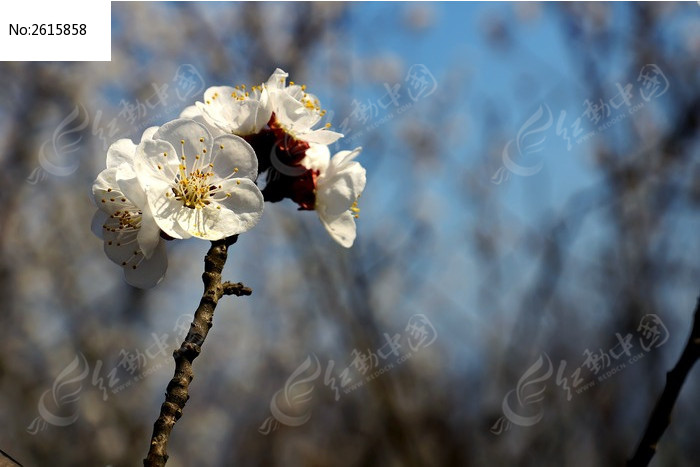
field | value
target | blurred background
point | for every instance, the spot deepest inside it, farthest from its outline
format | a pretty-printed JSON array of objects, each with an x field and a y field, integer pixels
[{"x": 526, "y": 266}]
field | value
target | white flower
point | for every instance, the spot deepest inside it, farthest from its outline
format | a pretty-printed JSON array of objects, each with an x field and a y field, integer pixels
[
  {"x": 296, "y": 111},
  {"x": 236, "y": 110},
  {"x": 338, "y": 187},
  {"x": 205, "y": 187},
  {"x": 247, "y": 111},
  {"x": 124, "y": 221}
]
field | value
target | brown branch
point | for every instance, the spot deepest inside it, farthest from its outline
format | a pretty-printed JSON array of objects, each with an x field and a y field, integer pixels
[
  {"x": 661, "y": 416},
  {"x": 237, "y": 289},
  {"x": 176, "y": 395}
]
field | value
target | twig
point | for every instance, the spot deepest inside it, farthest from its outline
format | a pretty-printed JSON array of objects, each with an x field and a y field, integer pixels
[
  {"x": 176, "y": 395},
  {"x": 237, "y": 289},
  {"x": 661, "y": 416}
]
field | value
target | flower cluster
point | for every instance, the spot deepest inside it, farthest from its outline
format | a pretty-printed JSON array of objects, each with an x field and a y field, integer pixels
[{"x": 196, "y": 176}]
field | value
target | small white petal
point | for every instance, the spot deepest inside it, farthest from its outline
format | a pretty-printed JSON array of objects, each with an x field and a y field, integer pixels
[
  {"x": 341, "y": 228},
  {"x": 149, "y": 233},
  {"x": 191, "y": 112},
  {"x": 106, "y": 193},
  {"x": 337, "y": 190},
  {"x": 262, "y": 113},
  {"x": 149, "y": 272},
  {"x": 242, "y": 210},
  {"x": 191, "y": 221},
  {"x": 219, "y": 107},
  {"x": 194, "y": 113},
  {"x": 148, "y": 133},
  {"x": 120, "y": 246},
  {"x": 201, "y": 223},
  {"x": 129, "y": 185},
  {"x": 156, "y": 164},
  {"x": 289, "y": 111},
  {"x": 317, "y": 157},
  {"x": 277, "y": 79},
  {"x": 188, "y": 137},
  {"x": 344, "y": 157},
  {"x": 321, "y": 136},
  {"x": 169, "y": 213},
  {"x": 105, "y": 180},
  {"x": 120, "y": 152},
  {"x": 98, "y": 222},
  {"x": 233, "y": 156},
  {"x": 295, "y": 91}
]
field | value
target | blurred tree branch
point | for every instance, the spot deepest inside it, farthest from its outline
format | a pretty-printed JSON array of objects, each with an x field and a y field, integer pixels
[
  {"x": 661, "y": 416},
  {"x": 177, "y": 393}
]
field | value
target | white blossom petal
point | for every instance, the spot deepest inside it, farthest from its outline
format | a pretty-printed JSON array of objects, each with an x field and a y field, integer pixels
[
  {"x": 341, "y": 184},
  {"x": 220, "y": 111},
  {"x": 338, "y": 196},
  {"x": 188, "y": 137},
  {"x": 277, "y": 79},
  {"x": 243, "y": 209},
  {"x": 169, "y": 213},
  {"x": 289, "y": 112},
  {"x": 295, "y": 91},
  {"x": 149, "y": 233},
  {"x": 98, "y": 222},
  {"x": 149, "y": 271},
  {"x": 156, "y": 164},
  {"x": 129, "y": 185},
  {"x": 157, "y": 174},
  {"x": 338, "y": 189},
  {"x": 262, "y": 114},
  {"x": 233, "y": 156},
  {"x": 106, "y": 180},
  {"x": 344, "y": 157},
  {"x": 120, "y": 152},
  {"x": 211, "y": 223},
  {"x": 317, "y": 157},
  {"x": 233, "y": 111},
  {"x": 194, "y": 113},
  {"x": 148, "y": 133},
  {"x": 120, "y": 245},
  {"x": 106, "y": 193},
  {"x": 238, "y": 210},
  {"x": 341, "y": 228},
  {"x": 321, "y": 136}
]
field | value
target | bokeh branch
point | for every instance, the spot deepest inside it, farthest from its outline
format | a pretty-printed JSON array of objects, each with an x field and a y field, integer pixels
[
  {"x": 661, "y": 416},
  {"x": 177, "y": 393}
]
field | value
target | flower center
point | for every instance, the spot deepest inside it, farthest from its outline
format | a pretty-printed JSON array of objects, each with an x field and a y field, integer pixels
[{"x": 193, "y": 190}]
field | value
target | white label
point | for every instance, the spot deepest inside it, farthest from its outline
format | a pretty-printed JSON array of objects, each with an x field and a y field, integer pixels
[{"x": 62, "y": 30}]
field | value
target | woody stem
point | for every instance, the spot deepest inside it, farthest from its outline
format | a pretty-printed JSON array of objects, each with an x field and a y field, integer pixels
[
  {"x": 661, "y": 416},
  {"x": 177, "y": 392}
]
